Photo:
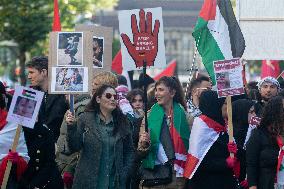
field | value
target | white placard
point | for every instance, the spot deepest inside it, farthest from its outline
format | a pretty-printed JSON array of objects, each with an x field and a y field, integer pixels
[
  {"x": 70, "y": 49},
  {"x": 142, "y": 38},
  {"x": 228, "y": 75},
  {"x": 25, "y": 106},
  {"x": 68, "y": 80}
]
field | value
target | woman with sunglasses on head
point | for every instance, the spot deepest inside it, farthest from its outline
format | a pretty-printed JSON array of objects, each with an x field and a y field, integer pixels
[
  {"x": 103, "y": 137},
  {"x": 264, "y": 149}
]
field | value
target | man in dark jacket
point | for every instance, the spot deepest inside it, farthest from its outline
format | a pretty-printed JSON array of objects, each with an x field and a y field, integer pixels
[
  {"x": 268, "y": 87},
  {"x": 42, "y": 171}
]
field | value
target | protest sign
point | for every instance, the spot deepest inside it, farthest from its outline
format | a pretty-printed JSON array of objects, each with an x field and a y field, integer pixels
[
  {"x": 66, "y": 79},
  {"x": 228, "y": 74},
  {"x": 143, "y": 43},
  {"x": 69, "y": 66},
  {"x": 101, "y": 41},
  {"x": 25, "y": 106}
]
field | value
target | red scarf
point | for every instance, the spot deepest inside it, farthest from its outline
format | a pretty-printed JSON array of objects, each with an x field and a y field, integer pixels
[
  {"x": 220, "y": 128},
  {"x": 213, "y": 124},
  {"x": 3, "y": 116}
]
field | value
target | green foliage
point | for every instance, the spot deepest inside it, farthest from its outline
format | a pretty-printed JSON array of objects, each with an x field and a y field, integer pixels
[
  {"x": 79, "y": 11},
  {"x": 27, "y": 22},
  {"x": 24, "y": 21}
]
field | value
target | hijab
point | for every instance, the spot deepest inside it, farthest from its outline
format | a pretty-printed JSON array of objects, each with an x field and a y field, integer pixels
[
  {"x": 240, "y": 110},
  {"x": 211, "y": 106}
]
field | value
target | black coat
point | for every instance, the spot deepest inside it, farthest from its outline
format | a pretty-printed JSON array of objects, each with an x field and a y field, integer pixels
[
  {"x": 42, "y": 171},
  {"x": 213, "y": 172},
  {"x": 261, "y": 159},
  {"x": 53, "y": 111}
]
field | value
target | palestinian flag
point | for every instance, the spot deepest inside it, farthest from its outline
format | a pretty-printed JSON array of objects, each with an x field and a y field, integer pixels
[
  {"x": 28, "y": 93},
  {"x": 204, "y": 133},
  {"x": 217, "y": 34}
]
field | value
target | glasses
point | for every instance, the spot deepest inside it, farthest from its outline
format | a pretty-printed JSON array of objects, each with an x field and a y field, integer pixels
[{"x": 109, "y": 96}]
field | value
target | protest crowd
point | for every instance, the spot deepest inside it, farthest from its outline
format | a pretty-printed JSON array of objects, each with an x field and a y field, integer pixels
[
  {"x": 95, "y": 130},
  {"x": 103, "y": 142}
]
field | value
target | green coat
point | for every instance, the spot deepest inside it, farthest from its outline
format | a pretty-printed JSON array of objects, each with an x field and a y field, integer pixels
[{"x": 86, "y": 138}]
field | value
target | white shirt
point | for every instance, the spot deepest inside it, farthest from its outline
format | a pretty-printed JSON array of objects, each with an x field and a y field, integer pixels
[{"x": 7, "y": 135}]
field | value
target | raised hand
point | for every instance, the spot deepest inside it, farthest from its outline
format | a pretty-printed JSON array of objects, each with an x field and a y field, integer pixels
[{"x": 145, "y": 41}]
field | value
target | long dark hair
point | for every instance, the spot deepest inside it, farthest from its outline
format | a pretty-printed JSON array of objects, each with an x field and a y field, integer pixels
[
  {"x": 174, "y": 84},
  {"x": 273, "y": 117},
  {"x": 119, "y": 119}
]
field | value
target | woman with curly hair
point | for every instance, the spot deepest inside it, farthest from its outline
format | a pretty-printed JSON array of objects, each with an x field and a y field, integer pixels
[
  {"x": 103, "y": 137},
  {"x": 263, "y": 158}
]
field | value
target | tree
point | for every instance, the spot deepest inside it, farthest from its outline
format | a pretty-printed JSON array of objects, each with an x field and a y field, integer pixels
[
  {"x": 27, "y": 22},
  {"x": 24, "y": 22}
]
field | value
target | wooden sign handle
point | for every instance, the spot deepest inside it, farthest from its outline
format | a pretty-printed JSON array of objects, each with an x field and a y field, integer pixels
[
  {"x": 230, "y": 120},
  {"x": 9, "y": 164}
]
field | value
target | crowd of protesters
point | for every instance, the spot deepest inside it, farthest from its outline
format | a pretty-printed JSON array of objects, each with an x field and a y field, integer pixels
[{"x": 103, "y": 143}]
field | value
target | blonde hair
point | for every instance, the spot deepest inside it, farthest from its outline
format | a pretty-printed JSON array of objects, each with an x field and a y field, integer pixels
[{"x": 107, "y": 78}]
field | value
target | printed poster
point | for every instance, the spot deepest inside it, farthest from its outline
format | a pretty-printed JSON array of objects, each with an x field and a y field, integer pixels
[
  {"x": 25, "y": 106},
  {"x": 229, "y": 79},
  {"x": 142, "y": 38}
]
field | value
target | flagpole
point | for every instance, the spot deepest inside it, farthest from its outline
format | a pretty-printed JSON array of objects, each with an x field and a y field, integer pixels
[
  {"x": 145, "y": 95},
  {"x": 193, "y": 67}
]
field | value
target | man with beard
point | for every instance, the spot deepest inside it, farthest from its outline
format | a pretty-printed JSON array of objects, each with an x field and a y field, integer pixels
[{"x": 268, "y": 87}]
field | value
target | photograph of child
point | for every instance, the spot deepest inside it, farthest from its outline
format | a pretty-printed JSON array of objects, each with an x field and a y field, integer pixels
[
  {"x": 70, "y": 49},
  {"x": 69, "y": 79},
  {"x": 223, "y": 81},
  {"x": 24, "y": 107},
  {"x": 98, "y": 52}
]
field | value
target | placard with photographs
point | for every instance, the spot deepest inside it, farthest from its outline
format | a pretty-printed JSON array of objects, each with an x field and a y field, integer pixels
[
  {"x": 102, "y": 55},
  {"x": 67, "y": 80},
  {"x": 25, "y": 106},
  {"x": 70, "y": 49},
  {"x": 228, "y": 74},
  {"x": 70, "y": 62}
]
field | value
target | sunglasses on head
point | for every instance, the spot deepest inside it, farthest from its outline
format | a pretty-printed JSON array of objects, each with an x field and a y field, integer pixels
[{"x": 109, "y": 95}]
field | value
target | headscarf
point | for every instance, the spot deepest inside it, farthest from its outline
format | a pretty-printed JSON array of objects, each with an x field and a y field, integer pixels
[
  {"x": 268, "y": 79},
  {"x": 240, "y": 110},
  {"x": 211, "y": 106}
]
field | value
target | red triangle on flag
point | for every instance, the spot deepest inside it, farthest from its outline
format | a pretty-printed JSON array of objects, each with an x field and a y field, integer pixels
[
  {"x": 56, "y": 17},
  {"x": 116, "y": 65},
  {"x": 169, "y": 71}
]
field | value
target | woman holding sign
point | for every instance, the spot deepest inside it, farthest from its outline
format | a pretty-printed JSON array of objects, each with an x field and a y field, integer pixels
[
  {"x": 209, "y": 165},
  {"x": 103, "y": 137},
  {"x": 264, "y": 150}
]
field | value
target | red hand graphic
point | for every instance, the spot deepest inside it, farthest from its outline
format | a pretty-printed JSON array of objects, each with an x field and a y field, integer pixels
[{"x": 145, "y": 42}]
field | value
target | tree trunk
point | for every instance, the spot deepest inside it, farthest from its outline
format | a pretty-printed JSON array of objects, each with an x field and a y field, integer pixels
[{"x": 22, "y": 57}]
